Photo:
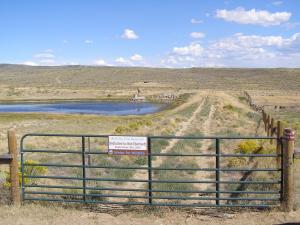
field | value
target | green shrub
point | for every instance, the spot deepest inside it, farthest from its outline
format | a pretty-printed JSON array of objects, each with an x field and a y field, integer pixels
[
  {"x": 231, "y": 108},
  {"x": 228, "y": 107},
  {"x": 242, "y": 98},
  {"x": 178, "y": 120},
  {"x": 134, "y": 126},
  {"x": 148, "y": 123},
  {"x": 158, "y": 145},
  {"x": 29, "y": 170},
  {"x": 121, "y": 129},
  {"x": 140, "y": 160},
  {"x": 248, "y": 147}
]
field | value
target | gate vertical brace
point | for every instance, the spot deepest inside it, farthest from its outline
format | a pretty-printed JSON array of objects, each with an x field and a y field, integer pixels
[
  {"x": 22, "y": 169},
  {"x": 218, "y": 155},
  {"x": 149, "y": 172},
  {"x": 83, "y": 168},
  {"x": 89, "y": 149}
]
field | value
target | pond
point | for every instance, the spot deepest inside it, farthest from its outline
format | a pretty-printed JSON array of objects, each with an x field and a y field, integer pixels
[{"x": 82, "y": 107}]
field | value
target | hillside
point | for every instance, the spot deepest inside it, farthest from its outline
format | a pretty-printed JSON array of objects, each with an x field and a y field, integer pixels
[{"x": 122, "y": 77}]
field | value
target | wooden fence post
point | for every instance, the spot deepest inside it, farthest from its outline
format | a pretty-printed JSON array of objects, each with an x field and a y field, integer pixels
[
  {"x": 279, "y": 133},
  {"x": 288, "y": 173},
  {"x": 14, "y": 168},
  {"x": 268, "y": 125},
  {"x": 272, "y": 127},
  {"x": 264, "y": 117}
]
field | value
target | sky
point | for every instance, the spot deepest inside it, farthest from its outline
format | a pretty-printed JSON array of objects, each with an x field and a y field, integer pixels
[{"x": 151, "y": 33}]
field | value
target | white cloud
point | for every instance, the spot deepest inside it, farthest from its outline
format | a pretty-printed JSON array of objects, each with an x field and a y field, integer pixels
[
  {"x": 254, "y": 50},
  {"x": 122, "y": 60},
  {"x": 196, "y": 21},
  {"x": 100, "y": 62},
  {"x": 65, "y": 41},
  {"x": 47, "y": 61},
  {"x": 88, "y": 41},
  {"x": 129, "y": 34},
  {"x": 29, "y": 63},
  {"x": 134, "y": 60},
  {"x": 192, "y": 49},
  {"x": 238, "y": 50},
  {"x": 240, "y": 41},
  {"x": 136, "y": 57},
  {"x": 253, "y": 16},
  {"x": 44, "y": 55},
  {"x": 197, "y": 35}
]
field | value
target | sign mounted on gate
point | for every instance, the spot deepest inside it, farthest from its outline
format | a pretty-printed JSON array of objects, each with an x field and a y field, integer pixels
[{"x": 127, "y": 145}]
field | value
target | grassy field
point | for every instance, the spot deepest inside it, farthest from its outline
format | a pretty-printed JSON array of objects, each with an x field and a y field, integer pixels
[{"x": 75, "y": 82}]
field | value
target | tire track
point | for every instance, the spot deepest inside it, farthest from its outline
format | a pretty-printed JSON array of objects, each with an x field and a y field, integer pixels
[
  {"x": 142, "y": 174},
  {"x": 180, "y": 132}
]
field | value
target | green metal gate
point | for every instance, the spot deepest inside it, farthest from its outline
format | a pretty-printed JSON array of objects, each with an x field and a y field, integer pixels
[{"x": 86, "y": 173}]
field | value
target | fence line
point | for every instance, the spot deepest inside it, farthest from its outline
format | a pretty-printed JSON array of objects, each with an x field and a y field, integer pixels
[{"x": 285, "y": 141}]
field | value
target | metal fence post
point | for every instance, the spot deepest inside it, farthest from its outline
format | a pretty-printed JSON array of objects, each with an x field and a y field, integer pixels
[
  {"x": 83, "y": 168},
  {"x": 14, "y": 168},
  {"x": 218, "y": 171},
  {"x": 288, "y": 173},
  {"x": 22, "y": 168},
  {"x": 149, "y": 172}
]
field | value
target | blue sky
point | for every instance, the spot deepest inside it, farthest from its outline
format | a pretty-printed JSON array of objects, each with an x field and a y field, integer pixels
[{"x": 155, "y": 33}]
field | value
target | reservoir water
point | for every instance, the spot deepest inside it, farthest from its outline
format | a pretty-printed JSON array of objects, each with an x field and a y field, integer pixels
[{"x": 82, "y": 107}]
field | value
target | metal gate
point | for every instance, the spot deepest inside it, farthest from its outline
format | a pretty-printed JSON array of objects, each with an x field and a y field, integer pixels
[{"x": 177, "y": 171}]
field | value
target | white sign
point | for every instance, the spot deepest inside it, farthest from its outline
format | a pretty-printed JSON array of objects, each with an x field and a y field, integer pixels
[{"x": 127, "y": 145}]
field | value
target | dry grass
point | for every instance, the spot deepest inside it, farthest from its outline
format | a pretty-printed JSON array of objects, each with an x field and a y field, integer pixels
[{"x": 56, "y": 215}]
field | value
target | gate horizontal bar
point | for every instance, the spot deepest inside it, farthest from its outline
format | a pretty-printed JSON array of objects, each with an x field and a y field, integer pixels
[
  {"x": 154, "y": 168},
  {"x": 152, "y": 137},
  {"x": 153, "y": 197},
  {"x": 213, "y": 137},
  {"x": 153, "y": 190},
  {"x": 155, "y": 204},
  {"x": 155, "y": 181},
  {"x": 153, "y": 154},
  {"x": 52, "y": 151}
]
